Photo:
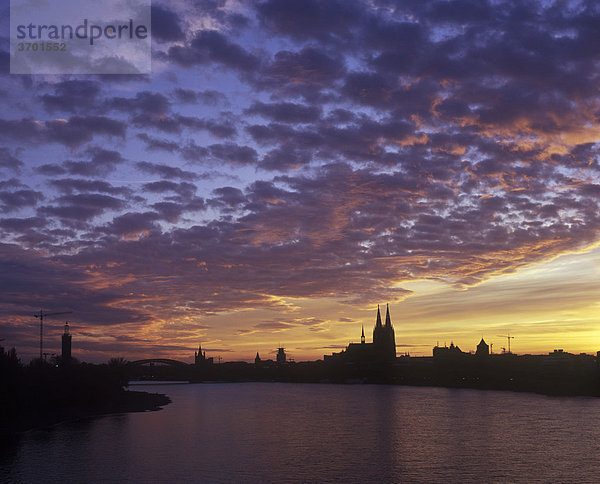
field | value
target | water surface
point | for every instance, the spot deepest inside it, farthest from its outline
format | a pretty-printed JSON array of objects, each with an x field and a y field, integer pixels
[{"x": 279, "y": 432}]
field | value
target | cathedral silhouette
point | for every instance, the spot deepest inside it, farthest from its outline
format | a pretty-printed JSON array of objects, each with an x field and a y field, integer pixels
[{"x": 381, "y": 350}]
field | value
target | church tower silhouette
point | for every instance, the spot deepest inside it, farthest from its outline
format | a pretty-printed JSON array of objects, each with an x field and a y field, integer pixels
[
  {"x": 384, "y": 338},
  {"x": 382, "y": 351}
]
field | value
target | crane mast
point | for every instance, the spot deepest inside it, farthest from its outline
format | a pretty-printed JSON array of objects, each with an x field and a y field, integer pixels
[
  {"x": 508, "y": 337},
  {"x": 41, "y": 315}
]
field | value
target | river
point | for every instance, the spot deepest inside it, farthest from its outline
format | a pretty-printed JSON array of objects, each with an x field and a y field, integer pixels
[{"x": 280, "y": 432}]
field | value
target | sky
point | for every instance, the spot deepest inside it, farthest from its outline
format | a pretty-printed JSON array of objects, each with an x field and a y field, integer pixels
[{"x": 288, "y": 165}]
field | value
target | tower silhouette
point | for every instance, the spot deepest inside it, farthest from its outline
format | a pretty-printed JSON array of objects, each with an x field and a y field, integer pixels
[
  {"x": 381, "y": 352},
  {"x": 66, "y": 345},
  {"x": 200, "y": 357},
  {"x": 281, "y": 356},
  {"x": 483, "y": 349},
  {"x": 384, "y": 338}
]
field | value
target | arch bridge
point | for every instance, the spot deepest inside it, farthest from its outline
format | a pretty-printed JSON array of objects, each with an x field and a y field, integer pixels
[{"x": 162, "y": 361}]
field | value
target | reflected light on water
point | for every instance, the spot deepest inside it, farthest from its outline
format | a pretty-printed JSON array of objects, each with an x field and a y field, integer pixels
[{"x": 277, "y": 432}]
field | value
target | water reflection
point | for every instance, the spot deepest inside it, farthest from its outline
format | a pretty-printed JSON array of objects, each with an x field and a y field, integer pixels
[{"x": 263, "y": 432}]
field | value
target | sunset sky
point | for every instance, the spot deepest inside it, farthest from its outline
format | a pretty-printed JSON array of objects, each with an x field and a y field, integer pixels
[{"x": 290, "y": 164}]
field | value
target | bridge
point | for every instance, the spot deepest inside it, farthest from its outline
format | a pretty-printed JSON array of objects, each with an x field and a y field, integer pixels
[{"x": 161, "y": 361}]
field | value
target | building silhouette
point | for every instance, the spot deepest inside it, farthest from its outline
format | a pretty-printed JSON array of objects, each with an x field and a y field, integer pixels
[
  {"x": 381, "y": 350},
  {"x": 281, "y": 360},
  {"x": 281, "y": 356},
  {"x": 384, "y": 339},
  {"x": 483, "y": 349},
  {"x": 66, "y": 345},
  {"x": 451, "y": 352},
  {"x": 200, "y": 357}
]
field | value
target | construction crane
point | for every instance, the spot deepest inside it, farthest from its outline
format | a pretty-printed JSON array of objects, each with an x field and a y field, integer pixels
[
  {"x": 508, "y": 337},
  {"x": 41, "y": 315}
]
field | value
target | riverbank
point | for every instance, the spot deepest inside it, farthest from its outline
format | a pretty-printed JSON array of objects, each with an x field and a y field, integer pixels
[
  {"x": 22, "y": 420},
  {"x": 41, "y": 395},
  {"x": 531, "y": 374}
]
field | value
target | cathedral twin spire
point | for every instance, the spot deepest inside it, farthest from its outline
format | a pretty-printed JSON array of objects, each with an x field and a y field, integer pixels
[
  {"x": 388, "y": 320},
  {"x": 383, "y": 335}
]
